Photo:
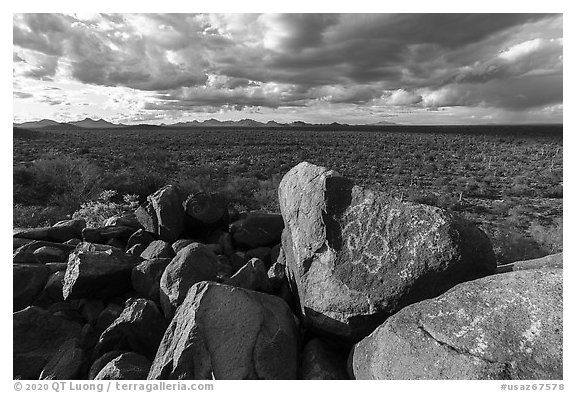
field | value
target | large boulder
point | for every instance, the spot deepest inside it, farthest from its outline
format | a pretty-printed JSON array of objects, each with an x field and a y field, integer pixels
[
  {"x": 223, "y": 332},
  {"x": 37, "y": 337},
  {"x": 139, "y": 328},
  {"x": 505, "y": 326},
  {"x": 146, "y": 278},
  {"x": 257, "y": 230},
  {"x": 60, "y": 232},
  {"x": 355, "y": 257},
  {"x": 192, "y": 264},
  {"x": 139, "y": 237},
  {"x": 163, "y": 214},
  {"x": 129, "y": 365},
  {"x": 67, "y": 363},
  {"x": 28, "y": 282},
  {"x": 204, "y": 214},
  {"x": 98, "y": 272},
  {"x": 551, "y": 261}
]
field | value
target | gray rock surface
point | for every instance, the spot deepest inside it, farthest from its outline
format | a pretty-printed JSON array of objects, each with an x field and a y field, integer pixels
[
  {"x": 163, "y": 214},
  {"x": 356, "y": 257},
  {"x": 505, "y": 326},
  {"x": 550, "y": 261},
  {"x": 67, "y": 363},
  {"x": 97, "y": 272},
  {"x": 140, "y": 328},
  {"x": 223, "y": 332},
  {"x": 252, "y": 276},
  {"x": 158, "y": 249},
  {"x": 129, "y": 365},
  {"x": 192, "y": 264},
  {"x": 146, "y": 278}
]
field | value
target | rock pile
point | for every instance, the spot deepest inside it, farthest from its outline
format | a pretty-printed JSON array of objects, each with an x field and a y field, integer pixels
[{"x": 345, "y": 283}]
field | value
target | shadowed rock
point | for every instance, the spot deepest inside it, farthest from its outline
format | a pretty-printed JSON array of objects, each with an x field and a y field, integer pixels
[
  {"x": 59, "y": 233},
  {"x": 146, "y": 278},
  {"x": 67, "y": 363},
  {"x": 257, "y": 230},
  {"x": 37, "y": 337},
  {"x": 355, "y": 257},
  {"x": 505, "y": 326},
  {"x": 163, "y": 214},
  {"x": 204, "y": 214},
  {"x": 224, "y": 332},
  {"x": 323, "y": 360},
  {"x": 101, "y": 362},
  {"x": 28, "y": 283},
  {"x": 140, "y": 328}
]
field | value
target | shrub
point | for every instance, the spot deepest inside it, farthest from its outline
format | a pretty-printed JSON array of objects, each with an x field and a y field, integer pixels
[
  {"x": 548, "y": 237},
  {"x": 97, "y": 212}
]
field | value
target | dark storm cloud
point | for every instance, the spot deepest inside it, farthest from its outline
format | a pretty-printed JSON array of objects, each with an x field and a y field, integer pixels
[{"x": 511, "y": 61}]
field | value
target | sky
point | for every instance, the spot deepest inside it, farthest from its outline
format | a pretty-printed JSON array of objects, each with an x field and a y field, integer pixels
[{"x": 318, "y": 68}]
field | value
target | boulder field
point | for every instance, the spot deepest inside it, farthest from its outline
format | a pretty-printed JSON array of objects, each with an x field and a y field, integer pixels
[{"x": 344, "y": 283}]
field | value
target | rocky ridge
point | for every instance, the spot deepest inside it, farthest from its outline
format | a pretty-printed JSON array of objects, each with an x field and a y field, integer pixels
[{"x": 344, "y": 283}]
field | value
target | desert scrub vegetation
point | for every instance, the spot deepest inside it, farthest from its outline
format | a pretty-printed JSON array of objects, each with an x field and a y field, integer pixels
[
  {"x": 96, "y": 212},
  {"x": 506, "y": 179}
]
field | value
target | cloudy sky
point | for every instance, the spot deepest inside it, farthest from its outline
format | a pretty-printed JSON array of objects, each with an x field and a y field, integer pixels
[{"x": 349, "y": 68}]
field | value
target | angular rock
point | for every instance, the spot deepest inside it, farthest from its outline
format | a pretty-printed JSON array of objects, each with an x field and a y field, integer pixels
[
  {"x": 140, "y": 237},
  {"x": 37, "y": 336},
  {"x": 128, "y": 220},
  {"x": 26, "y": 253},
  {"x": 67, "y": 363},
  {"x": 140, "y": 328},
  {"x": 59, "y": 233},
  {"x": 163, "y": 214},
  {"x": 181, "y": 243},
  {"x": 136, "y": 249},
  {"x": 323, "y": 360},
  {"x": 223, "y": 332},
  {"x": 549, "y": 261},
  {"x": 101, "y": 362},
  {"x": 192, "y": 264},
  {"x": 275, "y": 253},
  {"x": 262, "y": 253},
  {"x": 279, "y": 284},
  {"x": 104, "y": 234},
  {"x": 257, "y": 230},
  {"x": 53, "y": 289},
  {"x": 108, "y": 316},
  {"x": 204, "y": 213},
  {"x": 237, "y": 260},
  {"x": 18, "y": 242},
  {"x": 252, "y": 276},
  {"x": 505, "y": 326},
  {"x": 158, "y": 249},
  {"x": 50, "y": 254},
  {"x": 98, "y": 272},
  {"x": 90, "y": 310},
  {"x": 128, "y": 365},
  {"x": 28, "y": 283},
  {"x": 356, "y": 257},
  {"x": 146, "y": 278}
]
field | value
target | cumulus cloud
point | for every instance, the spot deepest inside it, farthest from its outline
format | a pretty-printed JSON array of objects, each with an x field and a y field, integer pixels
[{"x": 196, "y": 61}]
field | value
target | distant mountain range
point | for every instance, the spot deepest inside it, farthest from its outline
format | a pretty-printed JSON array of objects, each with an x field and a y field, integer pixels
[{"x": 246, "y": 123}]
